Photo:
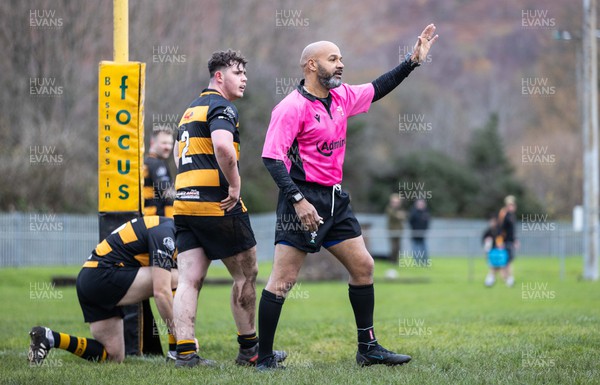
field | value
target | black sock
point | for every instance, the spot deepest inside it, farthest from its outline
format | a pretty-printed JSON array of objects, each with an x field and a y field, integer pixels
[
  {"x": 247, "y": 340},
  {"x": 269, "y": 311},
  {"x": 362, "y": 299},
  {"x": 85, "y": 348}
]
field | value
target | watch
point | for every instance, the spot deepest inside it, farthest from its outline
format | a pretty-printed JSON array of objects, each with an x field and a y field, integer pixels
[
  {"x": 407, "y": 59},
  {"x": 297, "y": 197}
]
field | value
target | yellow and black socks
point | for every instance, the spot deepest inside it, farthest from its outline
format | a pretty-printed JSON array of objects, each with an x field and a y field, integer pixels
[
  {"x": 186, "y": 347},
  {"x": 172, "y": 343},
  {"x": 172, "y": 339},
  {"x": 247, "y": 341},
  {"x": 362, "y": 299},
  {"x": 85, "y": 348}
]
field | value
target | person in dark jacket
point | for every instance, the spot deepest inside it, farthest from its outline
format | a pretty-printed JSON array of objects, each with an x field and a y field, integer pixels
[
  {"x": 419, "y": 223},
  {"x": 507, "y": 223}
]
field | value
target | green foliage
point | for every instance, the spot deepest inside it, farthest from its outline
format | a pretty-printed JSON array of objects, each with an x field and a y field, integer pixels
[
  {"x": 446, "y": 184},
  {"x": 495, "y": 176},
  {"x": 475, "y": 188}
]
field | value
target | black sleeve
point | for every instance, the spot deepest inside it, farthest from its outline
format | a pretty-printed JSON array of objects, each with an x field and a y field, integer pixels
[
  {"x": 223, "y": 118},
  {"x": 281, "y": 177},
  {"x": 161, "y": 247},
  {"x": 384, "y": 84},
  {"x": 160, "y": 176},
  {"x": 487, "y": 233}
]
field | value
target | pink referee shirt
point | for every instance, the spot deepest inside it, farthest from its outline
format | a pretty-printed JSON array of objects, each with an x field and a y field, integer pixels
[{"x": 310, "y": 140}]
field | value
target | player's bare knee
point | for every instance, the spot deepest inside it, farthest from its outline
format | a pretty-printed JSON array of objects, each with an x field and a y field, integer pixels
[
  {"x": 282, "y": 288},
  {"x": 115, "y": 350},
  {"x": 195, "y": 284},
  {"x": 362, "y": 272},
  {"x": 174, "y": 278},
  {"x": 116, "y": 357},
  {"x": 250, "y": 273},
  {"x": 247, "y": 297}
]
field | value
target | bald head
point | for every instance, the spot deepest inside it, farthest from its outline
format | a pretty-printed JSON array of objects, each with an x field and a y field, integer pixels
[
  {"x": 322, "y": 66},
  {"x": 318, "y": 49}
]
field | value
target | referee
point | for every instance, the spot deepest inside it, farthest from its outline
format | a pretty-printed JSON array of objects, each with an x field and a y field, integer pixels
[{"x": 304, "y": 153}]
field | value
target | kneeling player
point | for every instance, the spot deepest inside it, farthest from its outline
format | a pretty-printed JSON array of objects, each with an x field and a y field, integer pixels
[{"x": 131, "y": 265}]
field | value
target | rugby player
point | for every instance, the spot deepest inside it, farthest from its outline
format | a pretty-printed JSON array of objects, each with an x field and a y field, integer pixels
[
  {"x": 158, "y": 189},
  {"x": 211, "y": 220},
  {"x": 132, "y": 264}
]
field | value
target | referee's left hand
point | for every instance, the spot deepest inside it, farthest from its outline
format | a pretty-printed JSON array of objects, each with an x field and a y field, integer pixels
[{"x": 424, "y": 42}]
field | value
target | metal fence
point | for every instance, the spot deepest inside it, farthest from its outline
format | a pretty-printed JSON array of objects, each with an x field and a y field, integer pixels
[{"x": 28, "y": 239}]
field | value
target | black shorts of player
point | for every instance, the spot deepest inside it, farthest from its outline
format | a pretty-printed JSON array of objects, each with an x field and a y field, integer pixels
[
  {"x": 336, "y": 228},
  {"x": 99, "y": 290},
  {"x": 220, "y": 237}
]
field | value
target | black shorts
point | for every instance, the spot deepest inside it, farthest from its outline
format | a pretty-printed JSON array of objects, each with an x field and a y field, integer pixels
[
  {"x": 100, "y": 289},
  {"x": 338, "y": 227},
  {"x": 220, "y": 237}
]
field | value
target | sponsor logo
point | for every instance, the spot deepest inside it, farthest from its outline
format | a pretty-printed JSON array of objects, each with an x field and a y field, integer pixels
[
  {"x": 326, "y": 148},
  {"x": 188, "y": 195}
]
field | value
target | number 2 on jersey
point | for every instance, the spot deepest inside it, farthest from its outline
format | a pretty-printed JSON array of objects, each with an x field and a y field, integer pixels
[{"x": 185, "y": 137}]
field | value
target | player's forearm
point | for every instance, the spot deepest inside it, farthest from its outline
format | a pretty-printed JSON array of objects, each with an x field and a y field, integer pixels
[
  {"x": 227, "y": 160},
  {"x": 164, "y": 304},
  {"x": 281, "y": 177},
  {"x": 386, "y": 83}
]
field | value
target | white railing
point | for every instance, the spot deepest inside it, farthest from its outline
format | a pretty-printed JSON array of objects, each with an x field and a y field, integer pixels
[{"x": 65, "y": 239}]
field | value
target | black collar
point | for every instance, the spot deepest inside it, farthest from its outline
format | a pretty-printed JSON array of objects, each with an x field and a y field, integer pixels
[
  {"x": 326, "y": 101},
  {"x": 210, "y": 91}
]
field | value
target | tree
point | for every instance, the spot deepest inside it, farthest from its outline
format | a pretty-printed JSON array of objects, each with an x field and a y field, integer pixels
[
  {"x": 446, "y": 184},
  {"x": 487, "y": 159}
]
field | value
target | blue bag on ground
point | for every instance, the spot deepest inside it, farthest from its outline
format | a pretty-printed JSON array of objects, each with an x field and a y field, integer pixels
[{"x": 497, "y": 257}]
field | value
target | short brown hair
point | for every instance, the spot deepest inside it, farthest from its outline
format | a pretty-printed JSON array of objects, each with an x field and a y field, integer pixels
[
  {"x": 224, "y": 59},
  {"x": 161, "y": 130}
]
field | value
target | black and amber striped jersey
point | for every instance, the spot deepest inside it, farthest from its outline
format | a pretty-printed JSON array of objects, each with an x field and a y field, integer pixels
[
  {"x": 146, "y": 241},
  {"x": 157, "y": 184},
  {"x": 200, "y": 183}
]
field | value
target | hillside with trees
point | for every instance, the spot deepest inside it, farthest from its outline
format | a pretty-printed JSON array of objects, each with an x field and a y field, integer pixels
[{"x": 493, "y": 111}]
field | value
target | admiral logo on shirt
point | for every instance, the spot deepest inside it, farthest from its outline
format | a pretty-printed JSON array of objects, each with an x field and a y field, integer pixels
[{"x": 326, "y": 148}]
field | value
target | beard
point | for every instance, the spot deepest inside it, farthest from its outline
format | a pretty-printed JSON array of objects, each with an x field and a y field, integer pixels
[{"x": 327, "y": 80}]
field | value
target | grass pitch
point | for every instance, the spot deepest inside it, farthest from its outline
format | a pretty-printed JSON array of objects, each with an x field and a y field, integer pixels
[{"x": 544, "y": 330}]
